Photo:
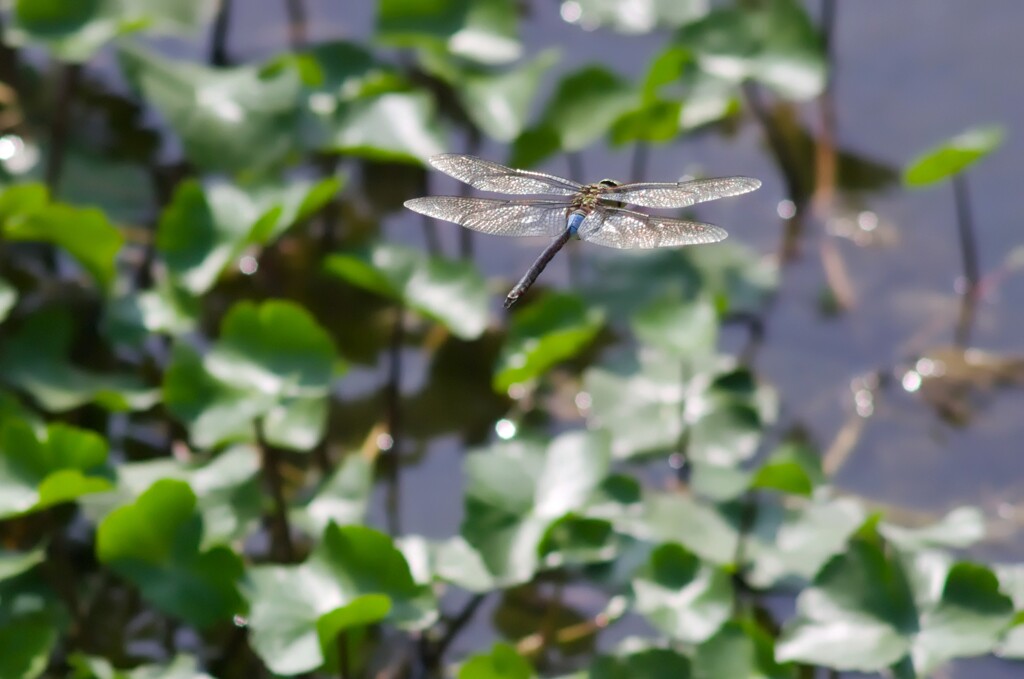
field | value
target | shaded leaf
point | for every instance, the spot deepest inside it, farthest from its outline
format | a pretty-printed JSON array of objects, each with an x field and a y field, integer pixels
[
  {"x": 155, "y": 543},
  {"x": 25, "y": 646},
  {"x": 739, "y": 649},
  {"x": 341, "y": 499},
  {"x": 450, "y": 292},
  {"x": 502, "y": 662}
]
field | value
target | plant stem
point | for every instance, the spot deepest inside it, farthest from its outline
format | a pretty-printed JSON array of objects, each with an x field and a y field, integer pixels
[
  {"x": 219, "y": 35},
  {"x": 297, "y": 24},
  {"x": 434, "y": 654},
  {"x": 969, "y": 256},
  {"x": 393, "y": 395},
  {"x": 638, "y": 166},
  {"x": 70, "y": 77},
  {"x": 282, "y": 548}
]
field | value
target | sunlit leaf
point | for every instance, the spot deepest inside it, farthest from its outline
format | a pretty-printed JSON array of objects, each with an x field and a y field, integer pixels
[
  {"x": 393, "y": 127},
  {"x": 94, "y": 667},
  {"x": 774, "y": 43},
  {"x": 688, "y": 329},
  {"x": 448, "y": 291},
  {"x": 515, "y": 491},
  {"x": 155, "y": 543},
  {"x": 793, "y": 468},
  {"x": 13, "y": 564},
  {"x": 961, "y": 528},
  {"x": 641, "y": 16},
  {"x": 342, "y": 498},
  {"x": 347, "y": 578},
  {"x": 502, "y": 662},
  {"x": 8, "y": 298},
  {"x": 222, "y": 115},
  {"x": 35, "y": 360},
  {"x": 868, "y": 609},
  {"x": 554, "y": 328},
  {"x": 681, "y": 596},
  {"x": 953, "y": 156},
  {"x": 483, "y": 30},
  {"x": 272, "y": 363},
  {"x": 164, "y": 309}
]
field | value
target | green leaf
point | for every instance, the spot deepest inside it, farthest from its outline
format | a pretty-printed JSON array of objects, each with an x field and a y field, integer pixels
[
  {"x": 482, "y": 30},
  {"x": 272, "y": 361},
  {"x": 13, "y": 564},
  {"x": 26, "y": 643},
  {"x": 155, "y": 543},
  {"x": 228, "y": 491},
  {"x": 685, "y": 329},
  {"x": 203, "y": 230},
  {"x": 347, "y": 578},
  {"x": 516, "y": 491},
  {"x": 84, "y": 232},
  {"x": 649, "y": 663},
  {"x": 502, "y": 662},
  {"x": 93, "y": 667},
  {"x": 554, "y": 328},
  {"x": 584, "y": 106},
  {"x": 642, "y": 16},
  {"x": 953, "y": 156},
  {"x": 341, "y": 499},
  {"x": 789, "y": 545},
  {"x": 868, "y": 610},
  {"x": 35, "y": 359},
  {"x": 392, "y": 127},
  {"x": 450, "y": 292},
  {"x": 60, "y": 466},
  {"x": 165, "y": 309},
  {"x": 793, "y": 468},
  {"x": 221, "y": 115},
  {"x": 682, "y": 597},
  {"x": 961, "y": 528},
  {"x": 774, "y": 43},
  {"x": 739, "y": 649},
  {"x": 8, "y": 298},
  {"x": 499, "y": 103}
]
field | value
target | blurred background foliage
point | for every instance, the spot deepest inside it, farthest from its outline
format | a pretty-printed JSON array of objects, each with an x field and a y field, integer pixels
[{"x": 256, "y": 420}]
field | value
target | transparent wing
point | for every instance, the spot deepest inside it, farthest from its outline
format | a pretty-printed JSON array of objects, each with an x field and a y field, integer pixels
[
  {"x": 626, "y": 229},
  {"x": 680, "y": 194},
  {"x": 487, "y": 176},
  {"x": 497, "y": 217}
]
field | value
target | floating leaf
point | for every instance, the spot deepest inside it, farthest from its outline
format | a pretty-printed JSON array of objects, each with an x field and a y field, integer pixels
[
  {"x": 953, "y": 156},
  {"x": 221, "y": 114},
  {"x": 774, "y": 43},
  {"x": 272, "y": 363},
  {"x": 450, "y": 292},
  {"x": 154, "y": 542},
  {"x": 516, "y": 491},
  {"x": 681, "y": 596},
  {"x": 554, "y": 328},
  {"x": 35, "y": 359},
  {"x": 354, "y": 577},
  {"x": 391, "y": 127}
]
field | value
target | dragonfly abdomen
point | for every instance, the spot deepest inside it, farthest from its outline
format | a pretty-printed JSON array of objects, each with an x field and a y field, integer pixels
[{"x": 575, "y": 219}]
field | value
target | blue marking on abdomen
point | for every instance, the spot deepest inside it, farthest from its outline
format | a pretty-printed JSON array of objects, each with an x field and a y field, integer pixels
[{"x": 575, "y": 219}]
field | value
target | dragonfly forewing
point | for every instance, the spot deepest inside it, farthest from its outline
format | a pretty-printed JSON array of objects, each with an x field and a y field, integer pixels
[
  {"x": 627, "y": 230},
  {"x": 680, "y": 194},
  {"x": 488, "y": 176},
  {"x": 495, "y": 216}
]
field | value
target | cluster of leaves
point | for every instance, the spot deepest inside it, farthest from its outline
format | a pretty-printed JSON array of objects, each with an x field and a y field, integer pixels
[{"x": 178, "y": 470}]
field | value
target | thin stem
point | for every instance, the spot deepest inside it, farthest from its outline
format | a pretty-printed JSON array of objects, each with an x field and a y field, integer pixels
[
  {"x": 344, "y": 664},
  {"x": 825, "y": 148},
  {"x": 436, "y": 652},
  {"x": 282, "y": 548},
  {"x": 70, "y": 77},
  {"x": 575, "y": 162},
  {"x": 393, "y": 395},
  {"x": 969, "y": 256},
  {"x": 297, "y": 24},
  {"x": 219, "y": 36},
  {"x": 638, "y": 166}
]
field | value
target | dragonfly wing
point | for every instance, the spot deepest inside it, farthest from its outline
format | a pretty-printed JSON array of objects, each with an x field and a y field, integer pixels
[
  {"x": 496, "y": 217},
  {"x": 626, "y": 229},
  {"x": 680, "y": 194},
  {"x": 487, "y": 176}
]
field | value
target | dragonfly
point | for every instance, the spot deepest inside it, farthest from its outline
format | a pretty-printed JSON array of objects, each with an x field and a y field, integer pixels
[{"x": 562, "y": 208}]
